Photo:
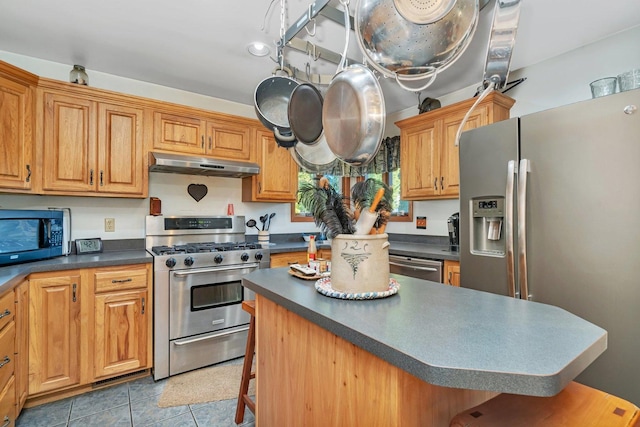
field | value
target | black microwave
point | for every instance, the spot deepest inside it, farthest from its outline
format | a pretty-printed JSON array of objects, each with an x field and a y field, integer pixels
[{"x": 30, "y": 235}]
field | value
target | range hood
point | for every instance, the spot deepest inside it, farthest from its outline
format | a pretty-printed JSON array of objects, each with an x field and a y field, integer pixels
[{"x": 193, "y": 165}]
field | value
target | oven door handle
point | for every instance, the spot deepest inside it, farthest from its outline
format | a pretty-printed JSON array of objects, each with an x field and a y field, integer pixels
[
  {"x": 208, "y": 337},
  {"x": 214, "y": 270},
  {"x": 413, "y": 266}
]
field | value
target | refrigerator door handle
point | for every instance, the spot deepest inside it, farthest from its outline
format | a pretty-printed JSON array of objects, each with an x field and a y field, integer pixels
[
  {"x": 508, "y": 228},
  {"x": 525, "y": 168}
]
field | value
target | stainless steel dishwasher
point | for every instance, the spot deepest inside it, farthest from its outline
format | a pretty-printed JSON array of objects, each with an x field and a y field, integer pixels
[{"x": 420, "y": 268}]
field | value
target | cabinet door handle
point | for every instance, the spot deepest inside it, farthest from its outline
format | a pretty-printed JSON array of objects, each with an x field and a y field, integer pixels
[
  {"x": 5, "y": 361},
  {"x": 450, "y": 274},
  {"x": 210, "y": 143},
  {"x": 91, "y": 177},
  {"x": 259, "y": 187},
  {"x": 202, "y": 143},
  {"x": 122, "y": 280},
  {"x": 74, "y": 292},
  {"x": 442, "y": 183},
  {"x": 101, "y": 178},
  {"x": 143, "y": 305},
  {"x": 28, "y": 173},
  {"x": 6, "y": 313},
  {"x": 435, "y": 184},
  {"x": 7, "y": 421}
]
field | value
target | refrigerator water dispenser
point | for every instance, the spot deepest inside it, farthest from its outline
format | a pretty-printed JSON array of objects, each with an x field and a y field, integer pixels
[{"x": 487, "y": 236}]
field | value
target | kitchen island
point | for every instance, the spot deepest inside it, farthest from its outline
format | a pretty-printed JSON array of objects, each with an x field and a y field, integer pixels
[{"x": 415, "y": 358}]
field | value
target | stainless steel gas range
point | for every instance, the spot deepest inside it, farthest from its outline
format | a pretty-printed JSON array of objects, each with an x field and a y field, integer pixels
[{"x": 198, "y": 264}]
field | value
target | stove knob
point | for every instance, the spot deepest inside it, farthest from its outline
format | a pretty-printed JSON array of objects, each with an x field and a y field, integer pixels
[
  {"x": 244, "y": 257},
  {"x": 188, "y": 261},
  {"x": 259, "y": 256},
  {"x": 217, "y": 259},
  {"x": 171, "y": 262}
]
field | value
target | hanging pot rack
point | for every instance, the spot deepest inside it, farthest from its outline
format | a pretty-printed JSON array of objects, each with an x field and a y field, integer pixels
[{"x": 315, "y": 52}]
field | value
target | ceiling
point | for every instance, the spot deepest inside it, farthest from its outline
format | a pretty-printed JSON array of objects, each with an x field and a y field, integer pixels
[{"x": 201, "y": 45}]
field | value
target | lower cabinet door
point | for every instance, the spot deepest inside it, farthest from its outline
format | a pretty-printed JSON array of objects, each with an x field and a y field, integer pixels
[
  {"x": 7, "y": 404},
  {"x": 121, "y": 332},
  {"x": 54, "y": 332}
]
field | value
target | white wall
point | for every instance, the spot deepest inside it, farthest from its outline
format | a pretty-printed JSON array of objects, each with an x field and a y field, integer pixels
[{"x": 558, "y": 81}]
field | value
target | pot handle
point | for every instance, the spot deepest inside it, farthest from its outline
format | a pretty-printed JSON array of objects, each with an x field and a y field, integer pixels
[
  {"x": 416, "y": 89},
  {"x": 284, "y": 138},
  {"x": 385, "y": 245}
]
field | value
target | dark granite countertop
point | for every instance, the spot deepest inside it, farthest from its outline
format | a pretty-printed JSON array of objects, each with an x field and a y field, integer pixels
[
  {"x": 13, "y": 275},
  {"x": 451, "y": 336}
]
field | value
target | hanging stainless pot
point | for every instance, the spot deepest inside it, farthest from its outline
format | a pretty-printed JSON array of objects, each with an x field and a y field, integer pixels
[
  {"x": 409, "y": 52},
  {"x": 316, "y": 158},
  {"x": 305, "y": 113},
  {"x": 271, "y": 99},
  {"x": 353, "y": 115}
]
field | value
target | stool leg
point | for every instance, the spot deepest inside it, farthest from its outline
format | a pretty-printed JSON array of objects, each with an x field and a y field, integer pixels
[{"x": 246, "y": 371}]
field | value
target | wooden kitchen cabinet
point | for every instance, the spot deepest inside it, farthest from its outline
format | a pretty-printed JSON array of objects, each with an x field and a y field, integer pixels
[
  {"x": 58, "y": 345},
  {"x": 88, "y": 325},
  {"x": 452, "y": 273},
  {"x": 90, "y": 146},
  {"x": 428, "y": 154},
  {"x": 22, "y": 344},
  {"x": 122, "y": 321},
  {"x": 197, "y": 132},
  {"x": 17, "y": 90},
  {"x": 278, "y": 177},
  {"x": 284, "y": 259}
]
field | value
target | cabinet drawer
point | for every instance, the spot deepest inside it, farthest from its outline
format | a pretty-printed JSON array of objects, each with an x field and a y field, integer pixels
[
  {"x": 120, "y": 278},
  {"x": 286, "y": 258},
  {"x": 7, "y": 357},
  {"x": 7, "y": 404},
  {"x": 6, "y": 309}
]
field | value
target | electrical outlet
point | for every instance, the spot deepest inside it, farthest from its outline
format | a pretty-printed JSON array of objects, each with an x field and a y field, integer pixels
[
  {"x": 109, "y": 224},
  {"x": 421, "y": 222}
]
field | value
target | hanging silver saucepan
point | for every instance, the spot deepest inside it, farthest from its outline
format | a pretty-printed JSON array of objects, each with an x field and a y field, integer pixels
[
  {"x": 410, "y": 52},
  {"x": 271, "y": 99}
]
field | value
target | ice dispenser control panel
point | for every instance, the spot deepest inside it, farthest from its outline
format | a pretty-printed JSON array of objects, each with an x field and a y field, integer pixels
[{"x": 487, "y": 236}]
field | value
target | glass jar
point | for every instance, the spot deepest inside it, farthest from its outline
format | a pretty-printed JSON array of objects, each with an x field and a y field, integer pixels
[{"x": 78, "y": 75}]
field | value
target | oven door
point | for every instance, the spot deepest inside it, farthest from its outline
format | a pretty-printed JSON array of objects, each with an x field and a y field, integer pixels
[{"x": 206, "y": 299}]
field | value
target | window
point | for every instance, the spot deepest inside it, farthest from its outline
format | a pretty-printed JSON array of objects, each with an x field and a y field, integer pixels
[{"x": 402, "y": 208}]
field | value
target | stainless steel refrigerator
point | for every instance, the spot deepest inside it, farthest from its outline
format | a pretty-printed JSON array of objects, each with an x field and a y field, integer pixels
[{"x": 550, "y": 212}]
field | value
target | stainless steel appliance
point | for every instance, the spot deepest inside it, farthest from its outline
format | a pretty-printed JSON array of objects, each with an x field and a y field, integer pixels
[
  {"x": 198, "y": 264},
  {"x": 453, "y": 224},
  {"x": 31, "y": 235},
  {"x": 421, "y": 268},
  {"x": 548, "y": 213}
]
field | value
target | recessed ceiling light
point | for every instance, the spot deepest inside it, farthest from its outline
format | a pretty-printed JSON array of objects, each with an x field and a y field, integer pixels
[{"x": 258, "y": 49}]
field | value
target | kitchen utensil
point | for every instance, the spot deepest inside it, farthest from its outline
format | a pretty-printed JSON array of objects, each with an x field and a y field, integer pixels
[
  {"x": 629, "y": 80},
  {"x": 305, "y": 113},
  {"x": 263, "y": 220},
  {"x": 269, "y": 220},
  {"x": 410, "y": 52},
  {"x": 353, "y": 115},
  {"x": 368, "y": 216},
  {"x": 603, "y": 87},
  {"x": 271, "y": 99},
  {"x": 316, "y": 158},
  {"x": 252, "y": 223},
  {"x": 506, "y": 17}
]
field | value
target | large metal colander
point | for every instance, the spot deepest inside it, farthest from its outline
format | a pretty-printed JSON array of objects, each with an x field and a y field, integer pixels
[
  {"x": 424, "y": 11},
  {"x": 409, "y": 52}
]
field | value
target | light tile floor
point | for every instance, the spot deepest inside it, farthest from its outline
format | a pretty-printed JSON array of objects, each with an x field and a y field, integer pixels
[{"x": 132, "y": 404}]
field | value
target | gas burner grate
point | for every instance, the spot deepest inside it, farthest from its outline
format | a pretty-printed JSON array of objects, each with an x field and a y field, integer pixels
[{"x": 167, "y": 250}]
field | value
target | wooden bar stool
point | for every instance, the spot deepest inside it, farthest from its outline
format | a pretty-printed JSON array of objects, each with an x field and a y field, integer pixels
[
  {"x": 576, "y": 405},
  {"x": 243, "y": 397}
]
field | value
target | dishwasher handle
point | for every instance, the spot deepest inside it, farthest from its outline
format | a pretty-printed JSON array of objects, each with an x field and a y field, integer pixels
[{"x": 415, "y": 267}]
